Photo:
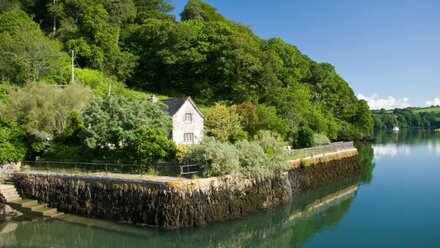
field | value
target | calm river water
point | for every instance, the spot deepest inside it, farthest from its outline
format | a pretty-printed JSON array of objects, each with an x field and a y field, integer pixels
[{"x": 394, "y": 202}]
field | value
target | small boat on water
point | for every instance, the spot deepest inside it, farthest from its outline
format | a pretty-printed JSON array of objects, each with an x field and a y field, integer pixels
[
  {"x": 437, "y": 129},
  {"x": 396, "y": 128}
]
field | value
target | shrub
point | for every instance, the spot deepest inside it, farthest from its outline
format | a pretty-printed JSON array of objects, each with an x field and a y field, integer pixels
[
  {"x": 347, "y": 131},
  {"x": 4, "y": 91},
  {"x": 238, "y": 135},
  {"x": 306, "y": 137},
  {"x": 114, "y": 120},
  {"x": 214, "y": 157},
  {"x": 12, "y": 141},
  {"x": 321, "y": 139},
  {"x": 274, "y": 148},
  {"x": 149, "y": 146},
  {"x": 181, "y": 150},
  {"x": 249, "y": 117},
  {"x": 304, "y": 163},
  {"x": 222, "y": 122},
  {"x": 252, "y": 157},
  {"x": 43, "y": 110},
  {"x": 270, "y": 120},
  {"x": 64, "y": 152},
  {"x": 151, "y": 171}
]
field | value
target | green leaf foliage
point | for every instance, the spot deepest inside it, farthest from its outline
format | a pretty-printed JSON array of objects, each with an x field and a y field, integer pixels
[
  {"x": 269, "y": 119},
  {"x": 321, "y": 139},
  {"x": 272, "y": 85},
  {"x": 12, "y": 141},
  {"x": 153, "y": 9},
  {"x": 113, "y": 121},
  {"x": 274, "y": 148},
  {"x": 198, "y": 10},
  {"x": 407, "y": 118},
  {"x": 306, "y": 138},
  {"x": 26, "y": 54},
  {"x": 42, "y": 109},
  {"x": 214, "y": 157},
  {"x": 223, "y": 122},
  {"x": 149, "y": 145},
  {"x": 253, "y": 159}
]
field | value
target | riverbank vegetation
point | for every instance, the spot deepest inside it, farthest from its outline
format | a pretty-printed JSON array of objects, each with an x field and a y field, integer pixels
[
  {"x": 408, "y": 117},
  {"x": 244, "y": 84},
  {"x": 262, "y": 154}
]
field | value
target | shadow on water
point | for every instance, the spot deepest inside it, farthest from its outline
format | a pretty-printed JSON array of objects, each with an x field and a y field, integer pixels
[{"x": 289, "y": 225}]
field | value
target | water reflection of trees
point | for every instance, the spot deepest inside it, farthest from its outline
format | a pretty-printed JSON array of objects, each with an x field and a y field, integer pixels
[
  {"x": 366, "y": 155},
  {"x": 407, "y": 136},
  {"x": 289, "y": 225}
]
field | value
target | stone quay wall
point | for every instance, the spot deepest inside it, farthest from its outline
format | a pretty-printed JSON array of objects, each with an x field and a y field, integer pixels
[{"x": 179, "y": 203}]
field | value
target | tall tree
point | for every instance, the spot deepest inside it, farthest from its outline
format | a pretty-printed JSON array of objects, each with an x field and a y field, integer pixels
[
  {"x": 222, "y": 122},
  {"x": 153, "y": 9},
  {"x": 26, "y": 53},
  {"x": 199, "y": 10},
  {"x": 113, "y": 121},
  {"x": 43, "y": 110}
]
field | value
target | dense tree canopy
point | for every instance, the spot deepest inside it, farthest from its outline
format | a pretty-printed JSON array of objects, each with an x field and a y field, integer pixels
[
  {"x": 408, "y": 117},
  {"x": 26, "y": 54},
  {"x": 43, "y": 109},
  {"x": 269, "y": 83},
  {"x": 12, "y": 141},
  {"x": 113, "y": 121}
]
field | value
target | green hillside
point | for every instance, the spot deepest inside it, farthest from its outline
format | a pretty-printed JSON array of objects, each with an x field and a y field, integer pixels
[
  {"x": 434, "y": 109},
  {"x": 407, "y": 117},
  {"x": 140, "y": 48}
]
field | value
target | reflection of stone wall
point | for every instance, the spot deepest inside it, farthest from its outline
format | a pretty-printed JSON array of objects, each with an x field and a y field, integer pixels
[
  {"x": 7, "y": 235},
  {"x": 2, "y": 208},
  {"x": 180, "y": 203}
]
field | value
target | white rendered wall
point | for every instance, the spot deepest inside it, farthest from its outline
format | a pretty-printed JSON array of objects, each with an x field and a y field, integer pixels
[{"x": 180, "y": 126}]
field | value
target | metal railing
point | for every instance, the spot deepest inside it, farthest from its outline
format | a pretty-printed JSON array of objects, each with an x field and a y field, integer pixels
[
  {"x": 166, "y": 168},
  {"x": 332, "y": 147}
]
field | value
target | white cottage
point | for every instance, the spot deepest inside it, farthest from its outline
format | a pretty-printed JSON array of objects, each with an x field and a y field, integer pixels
[{"x": 187, "y": 120}]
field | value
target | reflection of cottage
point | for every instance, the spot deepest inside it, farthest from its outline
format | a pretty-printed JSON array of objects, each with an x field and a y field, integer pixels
[{"x": 187, "y": 120}]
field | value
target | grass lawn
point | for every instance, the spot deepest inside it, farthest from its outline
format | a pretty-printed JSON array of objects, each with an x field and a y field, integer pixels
[{"x": 429, "y": 110}]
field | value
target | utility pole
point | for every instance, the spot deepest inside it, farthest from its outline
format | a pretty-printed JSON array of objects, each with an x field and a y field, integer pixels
[
  {"x": 109, "y": 88},
  {"x": 73, "y": 67},
  {"x": 54, "y": 18}
]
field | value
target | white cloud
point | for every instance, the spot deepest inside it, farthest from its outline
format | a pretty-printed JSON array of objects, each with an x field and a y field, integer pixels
[
  {"x": 387, "y": 103},
  {"x": 435, "y": 101}
]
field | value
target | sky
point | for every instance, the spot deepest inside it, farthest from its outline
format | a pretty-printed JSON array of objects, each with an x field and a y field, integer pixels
[{"x": 387, "y": 50}]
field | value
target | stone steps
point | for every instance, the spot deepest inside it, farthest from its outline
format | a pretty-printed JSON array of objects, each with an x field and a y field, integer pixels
[
  {"x": 27, "y": 206},
  {"x": 9, "y": 192},
  {"x": 6, "y": 186}
]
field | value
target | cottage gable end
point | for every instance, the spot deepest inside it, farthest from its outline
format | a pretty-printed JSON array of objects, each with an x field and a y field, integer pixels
[{"x": 187, "y": 119}]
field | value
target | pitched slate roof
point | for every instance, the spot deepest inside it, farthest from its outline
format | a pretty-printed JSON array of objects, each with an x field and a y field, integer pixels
[{"x": 174, "y": 104}]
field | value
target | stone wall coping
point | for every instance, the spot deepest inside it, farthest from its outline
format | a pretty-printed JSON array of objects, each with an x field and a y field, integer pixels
[{"x": 183, "y": 183}]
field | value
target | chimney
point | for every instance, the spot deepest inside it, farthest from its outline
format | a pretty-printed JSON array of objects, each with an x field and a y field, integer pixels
[{"x": 153, "y": 98}]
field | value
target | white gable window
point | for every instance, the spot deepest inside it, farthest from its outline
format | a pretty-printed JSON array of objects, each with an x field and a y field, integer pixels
[
  {"x": 188, "y": 138},
  {"x": 188, "y": 117}
]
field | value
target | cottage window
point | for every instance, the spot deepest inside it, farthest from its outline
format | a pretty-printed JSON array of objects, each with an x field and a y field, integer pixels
[
  {"x": 188, "y": 138},
  {"x": 188, "y": 117}
]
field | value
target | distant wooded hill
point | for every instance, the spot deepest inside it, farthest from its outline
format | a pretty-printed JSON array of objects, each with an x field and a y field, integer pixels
[{"x": 407, "y": 117}]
